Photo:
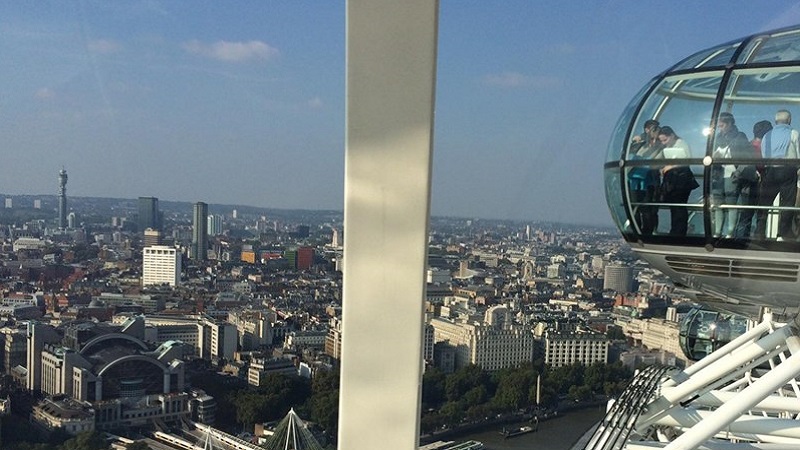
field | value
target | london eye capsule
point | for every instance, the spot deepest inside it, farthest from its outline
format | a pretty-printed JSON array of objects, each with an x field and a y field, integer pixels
[
  {"x": 701, "y": 178},
  {"x": 694, "y": 189}
]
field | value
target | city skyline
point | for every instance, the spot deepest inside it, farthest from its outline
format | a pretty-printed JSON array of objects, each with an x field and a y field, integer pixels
[{"x": 246, "y": 105}]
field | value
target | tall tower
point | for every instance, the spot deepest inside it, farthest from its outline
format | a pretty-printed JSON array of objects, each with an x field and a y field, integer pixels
[
  {"x": 148, "y": 214},
  {"x": 214, "y": 225},
  {"x": 62, "y": 199},
  {"x": 200, "y": 232}
]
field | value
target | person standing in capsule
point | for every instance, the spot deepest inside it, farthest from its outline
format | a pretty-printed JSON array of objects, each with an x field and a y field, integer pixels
[{"x": 677, "y": 181}]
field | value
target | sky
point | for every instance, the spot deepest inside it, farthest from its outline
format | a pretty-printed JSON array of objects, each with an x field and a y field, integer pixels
[{"x": 243, "y": 102}]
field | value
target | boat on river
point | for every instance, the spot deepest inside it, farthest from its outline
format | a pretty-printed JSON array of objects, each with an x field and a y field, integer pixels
[{"x": 517, "y": 431}]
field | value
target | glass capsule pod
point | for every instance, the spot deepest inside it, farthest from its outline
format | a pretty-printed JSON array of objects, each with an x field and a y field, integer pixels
[
  {"x": 701, "y": 173},
  {"x": 703, "y": 331}
]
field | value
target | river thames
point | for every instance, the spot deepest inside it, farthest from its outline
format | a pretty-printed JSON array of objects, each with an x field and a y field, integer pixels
[{"x": 560, "y": 433}]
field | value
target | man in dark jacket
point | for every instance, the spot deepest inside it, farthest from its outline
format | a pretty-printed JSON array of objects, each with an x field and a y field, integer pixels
[{"x": 731, "y": 184}]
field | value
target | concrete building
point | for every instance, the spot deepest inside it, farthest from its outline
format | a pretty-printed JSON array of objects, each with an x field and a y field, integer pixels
[
  {"x": 261, "y": 367},
  {"x": 296, "y": 340},
  {"x": 656, "y": 334},
  {"x": 151, "y": 237},
  {"x": 254, "y": 328},
  {"x": 149, "y": 303},
  {"x": 209, "y": 338},
  {"x": 214, "y": 225},
  {"x": 618, "y": 278},
  {"x": 333, "y": 341},
  {"x": 161, "y": 265},
  {"x": 38, "y": 336},
  {"x": 490, "y": 346},
  {"x": 66, "y": 414},
  {"x": 14, "y": 348},
  {"x": 202, "y": 407},
  {"x": 124, "y": 381},
  {"x": 562, "y": 349}
]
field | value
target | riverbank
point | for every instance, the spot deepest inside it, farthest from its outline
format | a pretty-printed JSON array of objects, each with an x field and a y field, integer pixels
[{"x": 560, "y": 433}]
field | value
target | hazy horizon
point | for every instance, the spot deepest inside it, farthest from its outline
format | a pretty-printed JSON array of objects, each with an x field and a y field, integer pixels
[{"x": 245, "y": 104}]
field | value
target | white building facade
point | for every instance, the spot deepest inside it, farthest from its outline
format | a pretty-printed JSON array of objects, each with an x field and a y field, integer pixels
[
  {"x": 489, "y": 346},
  {"x": 161, "y": 264}
]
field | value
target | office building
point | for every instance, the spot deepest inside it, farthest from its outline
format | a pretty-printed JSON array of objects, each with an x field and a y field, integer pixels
[
  {"x": 161, "y": 265},
  {"x": 214, "y": 225},
  {"x": 493, "y": 346},
  {"x": 200, "y": 232},
  {"x": 149, "y": 303},
  {"x": 14, "y": 348},
  {"x": 209, "y": 338},
  {"x": 126, "y": 382},
  {"x": 563, "y": 349},
  {"x": 149, "y": 214},
  {"x": 254, "y": 328},
  {"x": 151, "y": 237},
  {"x": 333, "y": 341},
  {"x": 618, "y": 278},
  {"x": 305, "y": 258}
]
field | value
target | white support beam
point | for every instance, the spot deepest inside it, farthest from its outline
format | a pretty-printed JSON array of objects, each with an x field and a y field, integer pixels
[
  {"x": 727, "y": 414},
  {"x": 724, "y": 370},
  {"x": 771, "y": 404},
  {"x": 391, "y": 62},
  {"x": 742, "y": 425}
]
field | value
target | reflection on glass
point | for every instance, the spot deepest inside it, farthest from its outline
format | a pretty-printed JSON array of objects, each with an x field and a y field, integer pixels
[
  {"x": 747, "y": 198},
  {"x": 704, "y": 331}
]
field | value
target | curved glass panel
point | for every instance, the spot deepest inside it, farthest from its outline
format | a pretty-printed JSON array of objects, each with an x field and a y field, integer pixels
[
  {"x": 781, "y": 47},
  {"x": 614, "y": 200},
  {"x": 665, "y": 198},
  {"x": 614, "y": 152},
  {"x": 703, "y": 331},
  {"x": 714, "y": 57},
  {"x": 685, "y": 104},
  {"x": 745, "y": 195}
]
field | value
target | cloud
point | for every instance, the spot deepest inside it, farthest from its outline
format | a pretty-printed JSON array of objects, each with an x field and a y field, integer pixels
[
  {"x": 516, "y": 79},
  {"x": 232, "y": 51},
  {"x": 44, "y": 94},
  {"x": 315, "y": 103},
  {"x": 103, "y": 46}
]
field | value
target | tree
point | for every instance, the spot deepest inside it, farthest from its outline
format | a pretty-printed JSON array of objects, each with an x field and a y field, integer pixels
[
  {"x": 433, "y": 387},
  {"x": 250, "y": 408},
  {"x": 513, "y": 387},
  {"x": 87, "y": 440},
  {"x": 464, "y": 379},
  {"x": 615, "y": 333},
  {"x": 323, "y": 404}
]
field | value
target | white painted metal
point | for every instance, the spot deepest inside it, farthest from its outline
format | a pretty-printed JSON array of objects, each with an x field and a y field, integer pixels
[
  {"x": 772, "y": 403},
  {"x": 723, "y": 371},
  {"x": 768, "y": 427},
  {"x": 725, "y": 415},
  {"x": 391, "y": 61},
  {"x": 744, "y": 396}
]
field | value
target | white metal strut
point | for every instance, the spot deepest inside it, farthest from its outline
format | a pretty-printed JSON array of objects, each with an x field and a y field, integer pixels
[{"x": 743, "y": 396}]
